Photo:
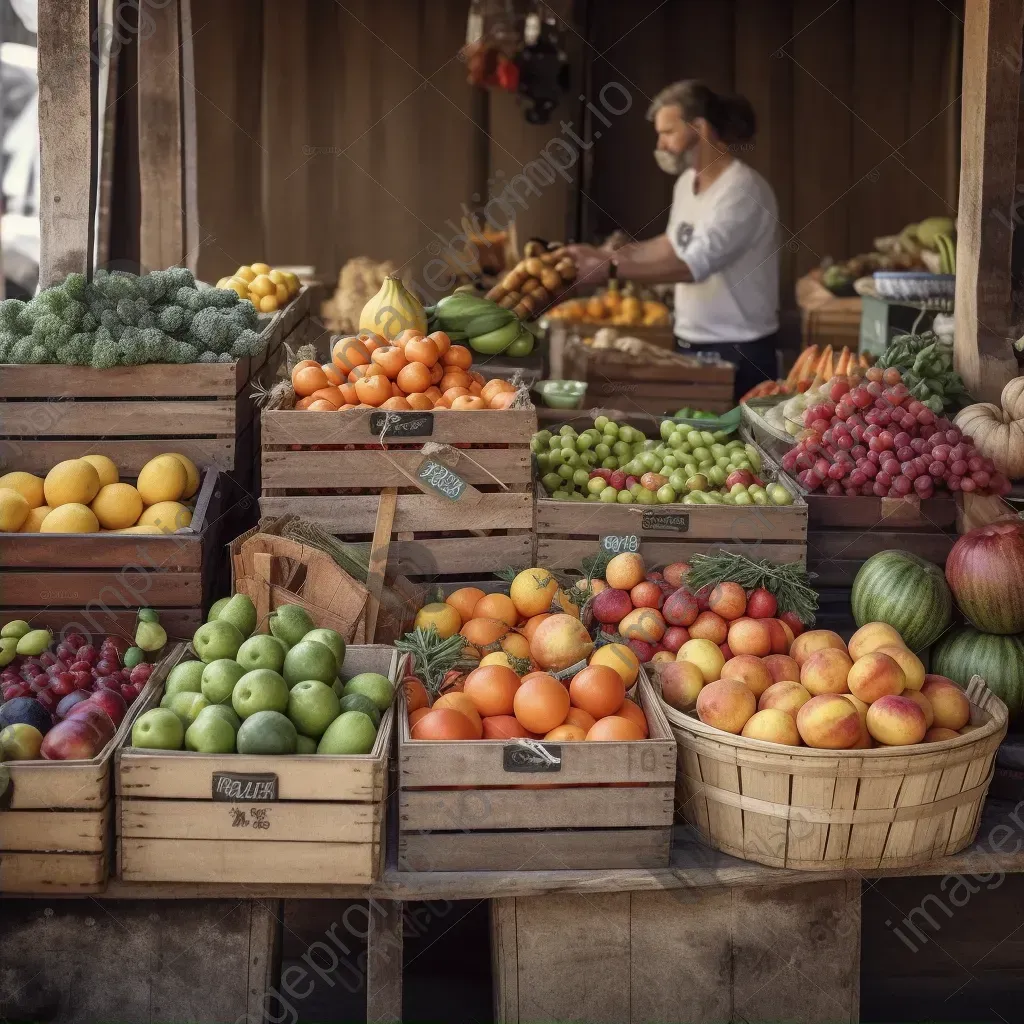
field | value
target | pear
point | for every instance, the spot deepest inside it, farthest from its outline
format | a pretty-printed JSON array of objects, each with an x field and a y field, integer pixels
[
  {"x": 215, "y": 608},
  {"x": 241, "y": 613},
  {"x": 290, "y": 623},
  {"x": 150, "y": 636}
]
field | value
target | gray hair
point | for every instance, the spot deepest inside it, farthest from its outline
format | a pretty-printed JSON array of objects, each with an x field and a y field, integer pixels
[{"x": 731, "y": 117}]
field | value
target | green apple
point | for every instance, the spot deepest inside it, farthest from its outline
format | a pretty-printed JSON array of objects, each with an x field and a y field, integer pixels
[
  {"x": 351, "y": 732},
  {"x": 312, "y": 706},
  {"x": 186, "y": 676},
  {"x": 34, "y": 642},
  {"x": 267, "y": 732},
  {"x": 222, "y": 711},
  {"x": 134, "y": 656},
  {"x": 216, "y": 607},
  {"x": 373, "y": 685},
  {"x": 186, "y": 706},
  {"x": 260, "y": 690},
  {"x": 359, "y": 702},
  {"x": 310, "y": 659},
  {"x": 158, "y": 729},
  {"x": 148, "y": 615},
  {"x": 215, "y": 640},
  {"x": 210, "y": 734},
  {"x": 240, "y": 612},
  {"x": 16, "y": 628},
  {"x": 262, "y": 651},
  {"x": 8, "y": 650},
  {"x": 150, "y": 636},
  {"x": 219, "y": 678},
  {"x": 290, "y": 623},
  {"x": 305, "y": 745},
  {"x": 330, "y": 638},
  {"x": 20, "y": 742}
]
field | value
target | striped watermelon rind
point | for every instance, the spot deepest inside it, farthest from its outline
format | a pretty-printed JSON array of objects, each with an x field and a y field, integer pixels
[
  {"x": 906, "y": 591},
  {"x": 997, "y": 658}
]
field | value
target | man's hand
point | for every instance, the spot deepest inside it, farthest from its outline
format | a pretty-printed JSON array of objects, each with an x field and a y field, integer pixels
[{"x": 592, "y": 266}]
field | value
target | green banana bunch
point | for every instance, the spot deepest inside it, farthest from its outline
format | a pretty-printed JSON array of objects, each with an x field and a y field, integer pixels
[
  {"x": 456, "y": 312},
  {"x": 946, "y": 248},
  {"x": 483, "y": 325}
]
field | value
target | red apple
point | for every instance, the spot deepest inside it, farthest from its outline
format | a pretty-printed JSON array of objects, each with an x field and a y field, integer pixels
[
  {"x": 73, "y": 739},
  {"x": 739, "y": 476},
  {"x": 676, "y": 573},
  {"x": 98, "y": 716},
  {"x": 112, "y": 703},
  {"x": 642, "y": 649},
  {"x": 675, "y": 637},
  {"x": 761, "y": 604},
  {"x": 792, "y": 620}
]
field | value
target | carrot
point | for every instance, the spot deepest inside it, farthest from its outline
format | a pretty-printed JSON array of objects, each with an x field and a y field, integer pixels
[
  {"x": 797, "y": 372},
  {"x": 825, "y": 362},
  {"x": 843, "y": 362}
]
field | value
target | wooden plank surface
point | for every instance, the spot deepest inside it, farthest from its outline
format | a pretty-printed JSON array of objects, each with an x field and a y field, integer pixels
[
  {"x": 40, "y": 456},
  {"x": 384, "y": 944},
  {"x": 504, "y": 960},
  {"x": 566, "y": 554},
  {"x": 156, "y": 380},
  {"x": 113, "y": 419},
  {"x": 81, "y": 588},
  {"x": 125, "y": 553},
  {"x": 433, "y": 556},
  {"x": 55, "y": 831},
  {"x": 98, "y": 622},
  {"x": 60, "y": 785},
  {"x": 871, "y": 513},
  {"x": 52, "y": 874}
]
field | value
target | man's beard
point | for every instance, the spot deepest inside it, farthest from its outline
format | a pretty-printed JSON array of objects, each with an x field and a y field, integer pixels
[{"x": 673, "y": 163}]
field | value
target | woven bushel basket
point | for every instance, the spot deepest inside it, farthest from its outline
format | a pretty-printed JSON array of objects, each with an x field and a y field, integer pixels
[{"x": 798, "y": 807}]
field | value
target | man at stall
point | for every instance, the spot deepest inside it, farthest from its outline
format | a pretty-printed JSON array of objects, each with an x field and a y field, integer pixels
[{"x": 721, "y": 245}]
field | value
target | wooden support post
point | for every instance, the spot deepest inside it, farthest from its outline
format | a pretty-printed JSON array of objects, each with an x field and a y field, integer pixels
[
  {"x": 384, "y": 947},
  {"x": 988, "y": 214},
  {"x": 190, "y": 161},
  {"x": 161, "y": 229},
  {"x": 67, "y": 139}
]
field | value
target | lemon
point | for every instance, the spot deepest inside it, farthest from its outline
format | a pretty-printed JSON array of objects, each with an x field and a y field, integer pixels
[
  {"x": 269, "y": 304},
  {"x": 282, "y": 294},
  {"x": 263, "y": 286},
  {"x": 74, "y": 481},
  {"x": 35, "y": 519},
  {"x": 117, "y": 506},
  {"x": 222, "y": 283},
  {"x": 237, "y": 285},
  {"x": 72, "y": 517},
  {"x": 167, "y": 515},
  {"x": 292, "y": 281},
  {"x": 260, "y": 268},
  {"x": 162, "y": 479},
  {"x": 245, "y": 273},
  {"x": 191, "y": 471},
  {"x": 104, "y": 467},
  {"x": 29, "y": 486},
  {"x": 13, "y": 510}
]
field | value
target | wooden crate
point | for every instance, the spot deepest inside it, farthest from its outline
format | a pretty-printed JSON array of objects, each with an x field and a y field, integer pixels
[
  {"x": 467, "y": 806},
  {"x": 326, "y": 823},
  {"x": 55, "y": 819},
  {"x": 133, "y": 413},
  {"x": 94, "y": 583},
  {"x": 844, "y": 532},
  {"x": 331, "y": 468}
]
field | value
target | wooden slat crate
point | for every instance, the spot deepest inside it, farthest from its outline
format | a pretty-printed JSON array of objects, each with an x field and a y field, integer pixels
[
  {"x": 466, "y": 806},
  {"x": 327, "y": 822},
  {"x": 94, "y": 583},
  {"x": 133, "y": 413},
  {"x": 331, "y": 468},
  {"x": 55, "y": 820}
]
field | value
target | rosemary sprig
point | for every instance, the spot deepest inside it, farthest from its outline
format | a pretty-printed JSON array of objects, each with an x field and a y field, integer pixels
[
  {"x": 789, "y": 584},
  {"x": 432, "y": 656}
]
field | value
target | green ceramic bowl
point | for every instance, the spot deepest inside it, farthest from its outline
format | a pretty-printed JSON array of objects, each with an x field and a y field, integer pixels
[{"x": 561, "y": 394}]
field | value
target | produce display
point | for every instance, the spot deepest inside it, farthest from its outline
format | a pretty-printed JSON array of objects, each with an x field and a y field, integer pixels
[
  {"x": 358, "y": 281},
  {"x": 619, "y": 306},
  {"x": 483, "y": 325},
  {"x": 119, "y": 319},
  {"x": 613, "y": 463},
  {"x": 265, "y": 693},
  {"x": 998, "y": 430},
  {"x": 413, "y": 371},
  {"x": 535, "y": 281},
  {"x": 875, "y": 438},
  {"x": 266, "y": 288},
  {"x": 87, "y": 495},
  {"x": 925, "y": 364},
  {"x": 65, "y": 701}
]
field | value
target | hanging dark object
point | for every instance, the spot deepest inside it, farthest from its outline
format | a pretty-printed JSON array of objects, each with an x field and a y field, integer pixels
[
  {"x": 492, "y": 40},
  {"x": 543, "y": 68}
]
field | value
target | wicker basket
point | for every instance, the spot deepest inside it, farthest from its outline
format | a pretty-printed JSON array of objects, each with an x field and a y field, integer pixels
[{"x": 797, "y": 807}]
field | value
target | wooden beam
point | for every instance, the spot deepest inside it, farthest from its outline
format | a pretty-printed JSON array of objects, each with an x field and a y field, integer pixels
[
  {"x": 67, "y": 138},
  {"x": 384, "y": 946},
  {"x": 190, "y": 161},
  {"x": 991, "y": 92}
]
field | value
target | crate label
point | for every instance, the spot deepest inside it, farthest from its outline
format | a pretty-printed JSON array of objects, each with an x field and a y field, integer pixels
[
  {"x": 678, "y": 521},
  {"x": 256, "y": 818},
  {"x": 441, "y": 480},
  {"x": 616, "y": 543},
  {"x": 568, "y": 673},
  {"x": 402, "y": 424},
  {"x": 531, "y": 756},
  {"x": 251, "y": 788}
]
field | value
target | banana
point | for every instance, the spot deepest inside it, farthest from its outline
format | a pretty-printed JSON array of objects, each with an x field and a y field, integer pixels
[
  {"x": 489, "y": 321},
  {"x": 496, "y": 341},
  {"x": 456, "y": 311}
]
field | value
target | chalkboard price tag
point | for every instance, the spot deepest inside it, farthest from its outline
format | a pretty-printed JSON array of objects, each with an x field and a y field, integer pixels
[
  {"x": 680, "y": 522},
  {"x": 250, "y": 788},
  {"x": 441, "y": 480},
  {"x": 402, "y": 424},
  {"x": 617, "y": 543},
  {"x": 531, "y": 756}
]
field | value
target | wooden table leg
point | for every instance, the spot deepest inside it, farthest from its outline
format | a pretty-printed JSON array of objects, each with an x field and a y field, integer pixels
[{"x": 384, "y": 946}]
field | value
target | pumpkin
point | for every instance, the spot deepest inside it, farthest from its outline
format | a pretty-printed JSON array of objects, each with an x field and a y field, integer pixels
[
  {"x": 999, "y": 660},
  {"x": 998, "y": 430}
]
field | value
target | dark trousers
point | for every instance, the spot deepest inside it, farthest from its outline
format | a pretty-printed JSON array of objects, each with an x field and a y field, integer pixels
[{"x": 755, "y": 360}]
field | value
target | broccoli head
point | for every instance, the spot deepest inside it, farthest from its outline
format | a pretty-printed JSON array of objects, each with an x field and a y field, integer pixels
[
  {"x": 72, "y": 314},
  {"x": 183, "y": 352},
  {"x": 77, "y": 351},
  {"x": 204, "y": 357},
  {"x": 104, "y": 352},
  {"x": 74, "y": 286},
  {"x": 130, "y": 311},
  {"x": 243, "y": 316},
  {"x": 48, "y": 324},
  {"x": 218, "y": 298},
  {"x": 247, "y": 343},
  {"x": 10, "y": 313},
  {"x": 53, "y": 300},
  {"x": 89, "y": 322},
  {"x": 177, "y": 278},
  {"x": 156, "y": 345},
  {"x": 189, "y": 298},
  {"x": 22, "y": 350},
  {"x": 209, "y": 331},
  {"x": 171, "y": 319},
  {"x": 117, "y": 286},
  {"x": 40, "y": 354},
  {"x": 225, "y": 357},
  {"x": 131, "y": 350}
]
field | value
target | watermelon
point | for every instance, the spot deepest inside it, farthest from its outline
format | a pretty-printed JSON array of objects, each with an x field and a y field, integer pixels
[
  {"x": 907, "y": 592},
  {"x": 998, "y": 659}
]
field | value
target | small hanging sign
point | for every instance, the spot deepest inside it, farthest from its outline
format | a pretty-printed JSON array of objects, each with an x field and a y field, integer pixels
[
  {"x": 617, "y": 543},
  {"x": 680, "y": 522},
  {"x": 401, "y": 424}
]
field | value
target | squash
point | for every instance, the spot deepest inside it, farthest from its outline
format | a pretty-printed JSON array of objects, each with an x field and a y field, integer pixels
[
  {"x": 998, "y": 430},
  {"x": 392, "y": 310},
  {"x": 1012, "y": 399}
]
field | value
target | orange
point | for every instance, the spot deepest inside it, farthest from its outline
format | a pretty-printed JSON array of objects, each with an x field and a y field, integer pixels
[
  {"x": 492, "y": 689},
  {"x": 347, "y": 406},
  {"x": 370, "y": 370},
  {"x": 615, "y": 728},
  {"x": 441, "y": 340},
  {"x": 415, "y": 716},
  {"x": 464, "y": 600},
  {"x": 496, "y": 606},
  {"x": 436, "y": 373},
  {"x": 390, "y": 359},
  {"x": 319, "y": 405},
  {"x": 371, "y": 341},
  {"x": 619, "y": 657},
  {"x": 415, "y": 694},
  {"x": 418, "y": 400},
  {"x": 531, "y": 624},
  {"x": 308, "y": 379},
  {"x": 333, "y": 374},
  {"x": 442, "y": 403},
  {"x": 374, "y": 390},
  {"x": 458, "y": 355},
  {"x": 444, "y": 724},
  {"x": 497, "y": 658},
  {"x": 442, "y": 616},
  {"x": 304, "y": 403},
  {"x": 468, "y": 403},
  {"x": 477, "y": 377},
  {"x": 502, "y": 400},
  {"x": 396, "y": 391},
  {"x": 450, "y": 394},
  {"x": 432, "y": 393},
  {"x": 422, "y": 350},
  {"x": 461, "y": 703},
  {"x": 566, "y": 733},
  {"x": 413, "y": 377},
  {"x": 577, "y": 716},
  {"x": 598, "y": 690},
  {"x": 532, "y": 590},
  {"x": 516, "y": 645},
  {"x": 631, "y": 710},
  {"x": 454, "y": 379},
  {"x": 348, "y": 353},
  {"x": 303, "y": 363},
  {"x": 494, "y": 387},
  {"x": 504, "y": 727},
  {"x": 541, "y": 702},
  {"x": 348, "y": 393},
  {"x": 330, "y": 394},
  {"x": 474, "y": 389},
  {"x": 396, "y": 403},
  {"x": 481, "y": 633},
  {"x": 409, "y": 334}
]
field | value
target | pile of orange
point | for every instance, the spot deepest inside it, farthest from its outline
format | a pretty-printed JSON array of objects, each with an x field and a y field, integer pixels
[{"x": 413, "y": 372}]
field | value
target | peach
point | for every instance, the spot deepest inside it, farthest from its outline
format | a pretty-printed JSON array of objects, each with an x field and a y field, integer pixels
[
  {"x": 950, "y": 703},
  {"x": 663, "y": 656},
  {"x": 646, "y": 595},
  {"x": 876, "y": 675},
  {"x": 938, "y": 734},
  {"x": 785, "y": 695},
  {"x": 728, "y": 600},
  {"x": 782, "y": 666},
  {"x": 829, "y": 721},
  {"x": 781, "y": 635},
  {"x": 705, "y": 655},
  {"x": 643, "y": 624},
  {"x": 675, "y": 574},
  {"x": 709, "y": 626},
  {"x": 923, "y": 703},
  {"x": 871, "y": 636},
  {"x": 680, "y": 682},
  {"x": 865, "y": 742},
  {"x": 750, "y": 671},
  {"x": 625, "y": 571},
  {"x": 675, "y": 637},
  {"x": 826, "y": 671},
  {"x": 814, "y": 640},
  {"x": 726, "y": 651},
  {"x": 750, "y": 636},
  {"x": 726, "y": 704},
  {"x": 896, "y": 721},
  {"x": 907, "y": 660},
  {"x": 862, "y": 708},
  {"x": 774, "y": 726}
]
